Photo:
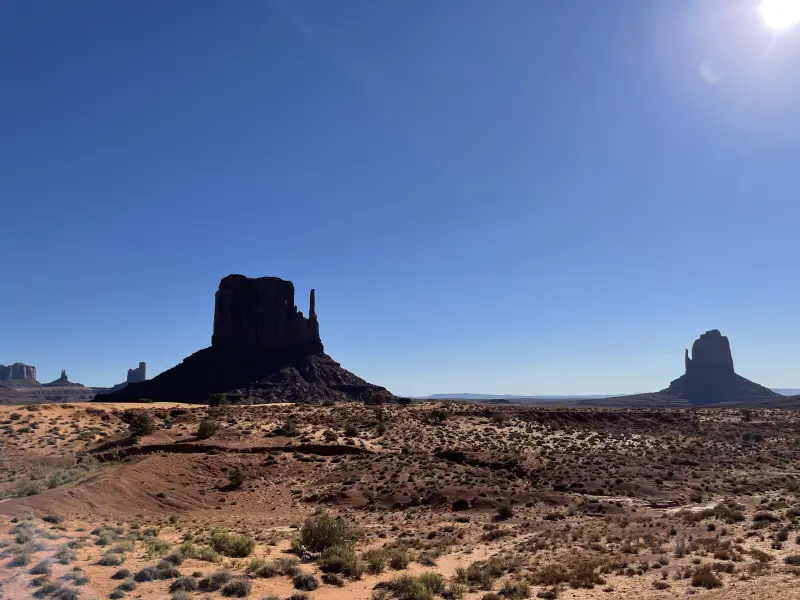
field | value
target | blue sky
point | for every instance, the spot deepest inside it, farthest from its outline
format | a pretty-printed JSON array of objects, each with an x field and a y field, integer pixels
[{"x": 500, "y": 197}]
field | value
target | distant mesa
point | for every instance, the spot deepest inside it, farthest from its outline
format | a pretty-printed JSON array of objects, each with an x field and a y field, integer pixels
[
  {"x": 18, "y": 373},
  {"x": 710, "y": 378},
  {"x": 62, "y": 381},
  {"x": 263, "y": 349}
]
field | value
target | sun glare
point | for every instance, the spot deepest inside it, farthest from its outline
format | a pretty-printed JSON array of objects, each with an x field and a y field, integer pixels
[{"x": 780, "y": 14}]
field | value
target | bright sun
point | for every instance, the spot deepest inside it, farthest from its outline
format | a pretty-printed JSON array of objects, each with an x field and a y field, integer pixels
[{"x": 780, "y": 14}]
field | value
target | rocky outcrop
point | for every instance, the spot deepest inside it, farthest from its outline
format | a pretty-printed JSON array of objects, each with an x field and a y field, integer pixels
[
  {"x": 263, "y": 349},
  {"x": 18, "y": 372},
  {"x": 709, "y": 376},
  {"x": 138, "y": 374}
]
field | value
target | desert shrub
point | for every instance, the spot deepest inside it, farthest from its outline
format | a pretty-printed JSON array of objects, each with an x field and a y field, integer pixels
[
  {"x": 333, "y": 579},
  {"x": 376, "y": 399},
  {"x": 584, "y": 575},
  {"x": 44, "y": 567},
  {"x": 408, "y": 587},
  {"x": 116, "y": 594},
  {"x": 176, "y": 558},
  {"x": 456, "y": 590},
  {"x": 231, "y": 544},
  {"x": 323, "y": 531},
  {"x": 703, "y": 576},
  {"x": 340, "y": 559},
  {"x": 189, "y": 584},
  {"x": 77, "y": 577},
  {"x": 399, "y": 559},
  {"x": 53, "y": 518},
  {"x": 305, "y": 581},
  {"x": 215, "y": 581},
  {"x": 121, "y": 574},
  {"x": 505, "y": 510},
  {"x": 793, "y": 560},
  {"x": 66, "y": 593},
  {"x": 461, "y": 504},
  {"x": 141, "y": 423},
  {"x": 286, "y": 566},
  {"x": 206, "y": 429},
  {"x": 660, "y": 585},
  {"x": 437, "y": 416},
  {"x": 207, "y": 554},
  {"x": 167, "y": 570},
  {"x": 266, "y": 571},
  {"x": 235, "y": 478},
  {"x": 516, "y": 590},
  {"x": 146, "y": 574},
  {"x": 433, "y": 581},
  {"x": 218, "y": 399},
  {"x": 760, "y": 555},
  {"x": 552, "y": 574},
  {"x": 48, "y": 589},
  {"x": 65, "y": 555},
  {"x": 288, "y": 428},
  {"x": 109, "y": 559},
  {"x": 351, "y": 430},
  {"x": 124, "y": 546},
  {"x": 236, "y": 588},
  {"x": 375, "y": 560},
  {"x": 157, "y": 547},
  {"x": 181, "y": 595}
]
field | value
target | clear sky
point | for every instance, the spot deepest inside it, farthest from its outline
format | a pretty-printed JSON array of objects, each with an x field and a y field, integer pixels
[{"x": 521, "y": 196}]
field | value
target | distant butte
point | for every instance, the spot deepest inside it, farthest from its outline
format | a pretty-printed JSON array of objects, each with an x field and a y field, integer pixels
[
  {"x": 710, "y": 378},
  {"x": 263, "y": 349}
]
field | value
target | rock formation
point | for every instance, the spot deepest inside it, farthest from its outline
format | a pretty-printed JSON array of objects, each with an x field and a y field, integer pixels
[
  {"x": 62, "y": 381},
  {"x": 259, "y": 316},
  {"x": 17, "y": 373},
  {"x": 709, "y": 376},
  {"x": 138, "y": 374},
  {"x": 262, "y": 350}
]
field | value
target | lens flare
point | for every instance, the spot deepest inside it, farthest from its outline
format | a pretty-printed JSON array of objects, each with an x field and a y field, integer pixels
[{"x": 780, "y": 14}]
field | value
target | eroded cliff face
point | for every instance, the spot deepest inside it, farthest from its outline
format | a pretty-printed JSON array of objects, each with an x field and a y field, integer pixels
[
  {"x": 709, "y": 376},
  {"x": 18, "y": 372}
]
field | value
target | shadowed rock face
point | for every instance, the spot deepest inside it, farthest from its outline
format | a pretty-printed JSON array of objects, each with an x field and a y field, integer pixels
[
  {"x": 18, "y": 372},
  {"x": 710, "y": 378},
  {"x": 262, "y": 350},
  {"x": 259, "y": 316}
]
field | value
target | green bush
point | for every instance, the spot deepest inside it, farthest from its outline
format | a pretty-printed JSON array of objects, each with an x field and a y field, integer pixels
[
  {"x": 206, "y": 429},
  {"x": 323, "y": 531},
  {"x": 141, "y": 423},
  {"x": 235, "y": 478},
  {"x": 231, "y": 544},
  {"x": 340, "y": 559},
  {"x": 375, "y": 560}
]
